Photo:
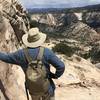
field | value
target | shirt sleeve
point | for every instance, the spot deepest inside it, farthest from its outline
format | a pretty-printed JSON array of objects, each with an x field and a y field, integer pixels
[
  {"x": 57, "y": 63},
  {"x": 11, "y": 58}
]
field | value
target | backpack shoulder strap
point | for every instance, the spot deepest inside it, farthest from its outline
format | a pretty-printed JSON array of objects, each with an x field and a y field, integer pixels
[
  {"x": 40, "y": 54},
  {"x": 27, "y": 55}
]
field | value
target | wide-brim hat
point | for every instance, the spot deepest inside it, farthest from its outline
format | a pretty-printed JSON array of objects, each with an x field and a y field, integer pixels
[{"x": 34, "y": 38}]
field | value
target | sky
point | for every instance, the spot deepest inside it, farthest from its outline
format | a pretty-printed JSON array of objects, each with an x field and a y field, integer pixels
[{"x": 57, "y": 3}]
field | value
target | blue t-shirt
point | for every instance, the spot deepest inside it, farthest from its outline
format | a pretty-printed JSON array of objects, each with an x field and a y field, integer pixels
[{"x": 49, "y": 57}]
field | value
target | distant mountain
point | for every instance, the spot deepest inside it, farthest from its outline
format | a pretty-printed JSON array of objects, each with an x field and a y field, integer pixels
[
  {"x": 62, "y": 10},
  {"x": 96, "y": 7},
  {"x": 46, "y": 10},
  {"x": 88, "y": 8}
]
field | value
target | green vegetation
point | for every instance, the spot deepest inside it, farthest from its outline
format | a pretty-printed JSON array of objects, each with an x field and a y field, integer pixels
[
  {"x": 86, "y": 55},
  {"x": 95, "y": 54},
  {"x": 70, "y": 50},
  {"x": 33, "y": 24},
  {"x": 64, "y": 49}
]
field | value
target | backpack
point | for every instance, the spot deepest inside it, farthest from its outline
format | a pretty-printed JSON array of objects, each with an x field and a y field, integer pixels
[{"x": 36, "y": 76}]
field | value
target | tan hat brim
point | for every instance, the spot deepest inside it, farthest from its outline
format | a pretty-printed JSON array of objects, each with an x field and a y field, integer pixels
[{"x": 34, "y": 44}]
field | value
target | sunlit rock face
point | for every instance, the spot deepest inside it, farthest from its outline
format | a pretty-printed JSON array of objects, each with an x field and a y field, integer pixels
[
  {"x": 11, "y": 77},
  {"x": 53, "y": 23}
]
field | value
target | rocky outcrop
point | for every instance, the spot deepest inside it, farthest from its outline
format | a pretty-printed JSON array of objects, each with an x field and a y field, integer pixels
[
  {"x": 52, "y": 23},
  {"x": 80, "y": 32},
  {"x": 13, "y": 21},
  {"x": 92, "y": 19},
  {"x": 65, "y": 25}
]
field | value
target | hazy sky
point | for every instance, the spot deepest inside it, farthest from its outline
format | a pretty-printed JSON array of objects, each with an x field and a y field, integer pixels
[{"x": 57, "y": 3}]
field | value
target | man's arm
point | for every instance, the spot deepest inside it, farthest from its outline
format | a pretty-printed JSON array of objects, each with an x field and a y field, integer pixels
[
  {"x": 57, "y": 63},
  {"x": 11, "y": 58}
]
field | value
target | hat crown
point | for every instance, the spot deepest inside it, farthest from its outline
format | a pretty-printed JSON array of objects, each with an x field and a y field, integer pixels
[
  {"x": 33, "y": 31},
  {"x": 34, "y": 38},
  {"x": 34, "y": 35}
]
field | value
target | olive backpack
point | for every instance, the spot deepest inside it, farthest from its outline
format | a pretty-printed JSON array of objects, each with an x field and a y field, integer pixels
[{"x": 36, "y": 75}]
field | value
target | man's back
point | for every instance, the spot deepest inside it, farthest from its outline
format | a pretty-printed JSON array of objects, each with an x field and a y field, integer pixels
[{"x": 49, "y": 57}]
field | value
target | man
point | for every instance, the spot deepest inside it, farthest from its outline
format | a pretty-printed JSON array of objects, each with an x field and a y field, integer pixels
[{"x": 33, "y": 41}]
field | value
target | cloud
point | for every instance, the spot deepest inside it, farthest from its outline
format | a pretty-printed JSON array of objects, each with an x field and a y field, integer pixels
[{"x": 57, "y": 3}]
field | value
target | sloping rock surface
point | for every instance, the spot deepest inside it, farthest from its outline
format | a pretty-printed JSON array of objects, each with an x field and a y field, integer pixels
[{"x": 79, "y": 82}]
